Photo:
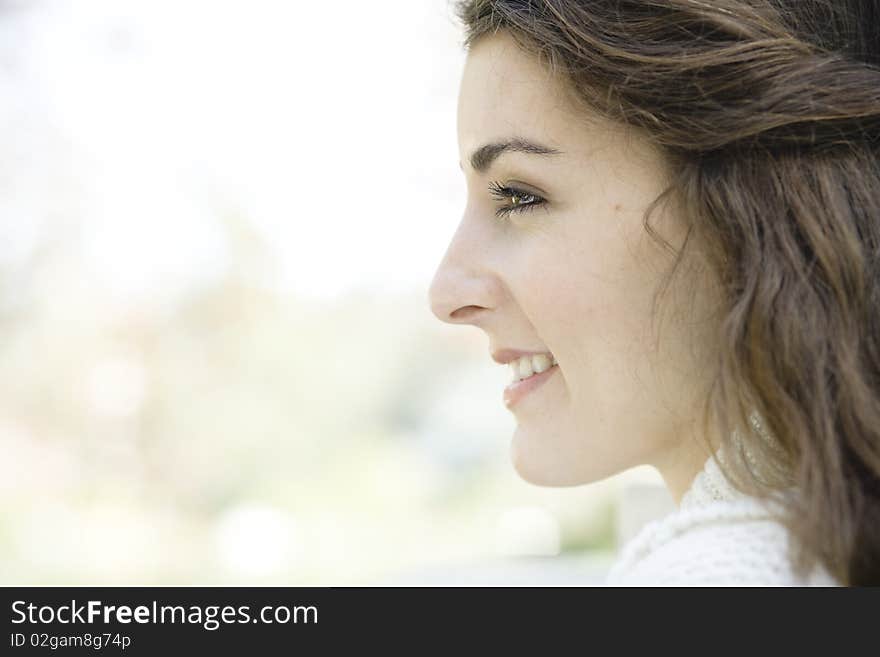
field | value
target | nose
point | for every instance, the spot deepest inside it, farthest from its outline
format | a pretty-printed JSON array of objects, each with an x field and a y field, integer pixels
[{"x": 464, "y": 289}]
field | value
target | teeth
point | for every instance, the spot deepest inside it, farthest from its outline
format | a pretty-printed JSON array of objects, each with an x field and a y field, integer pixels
[
  {"x": 540, "y": 363},
  {"x": 524, "y": 367}
]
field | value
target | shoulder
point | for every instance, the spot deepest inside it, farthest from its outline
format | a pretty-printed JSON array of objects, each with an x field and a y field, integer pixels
[{"x": 722, "y": 545}]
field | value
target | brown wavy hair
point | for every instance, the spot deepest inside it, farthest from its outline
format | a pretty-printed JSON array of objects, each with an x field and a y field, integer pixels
[{"x": 768, "y": 114}]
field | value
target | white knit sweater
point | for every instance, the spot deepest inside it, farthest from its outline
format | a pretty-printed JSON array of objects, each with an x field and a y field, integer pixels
[{"x": 717, "y": 537}]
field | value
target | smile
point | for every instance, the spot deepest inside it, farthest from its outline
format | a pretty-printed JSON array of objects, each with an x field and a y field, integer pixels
[{"x": 519, "y": 388}]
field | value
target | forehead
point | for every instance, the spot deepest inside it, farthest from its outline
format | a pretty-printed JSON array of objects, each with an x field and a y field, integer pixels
[{"x": 506, "y": 91}]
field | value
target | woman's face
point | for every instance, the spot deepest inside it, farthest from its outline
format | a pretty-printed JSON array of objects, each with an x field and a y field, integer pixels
[{"x": 551, "y": 256}]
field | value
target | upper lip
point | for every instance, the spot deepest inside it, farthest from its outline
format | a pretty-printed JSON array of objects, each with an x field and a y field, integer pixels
[{"x": 504, "y": 356}]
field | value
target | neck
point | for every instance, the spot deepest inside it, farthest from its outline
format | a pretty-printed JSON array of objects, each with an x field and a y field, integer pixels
[{"x": 680, "y": 465}]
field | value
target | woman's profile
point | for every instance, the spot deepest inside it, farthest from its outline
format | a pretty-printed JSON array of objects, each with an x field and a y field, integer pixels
[{"x": 672, "y": 238}]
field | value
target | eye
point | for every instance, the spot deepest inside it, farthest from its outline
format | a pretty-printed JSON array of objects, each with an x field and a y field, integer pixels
[{"x": 518, "y": 200}]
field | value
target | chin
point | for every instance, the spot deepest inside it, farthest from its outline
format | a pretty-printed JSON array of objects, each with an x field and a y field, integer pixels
[
  {"x": 540, "y": 468},
  {"x": 542, "y": 461}
]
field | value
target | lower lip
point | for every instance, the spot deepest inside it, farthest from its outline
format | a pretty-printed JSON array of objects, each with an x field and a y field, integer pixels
[{"x": 519, "y": 389}]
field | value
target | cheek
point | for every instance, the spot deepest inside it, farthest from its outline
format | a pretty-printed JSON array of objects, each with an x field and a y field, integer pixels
[
  {"x": 591, "y": 283},
  {"x": 590, "y": 294},
  {"x": 559, "y": 294}
]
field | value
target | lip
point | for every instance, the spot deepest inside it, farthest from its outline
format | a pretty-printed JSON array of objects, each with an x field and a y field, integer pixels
[
  {"x": 515, "y": 391},
  {"x": 504, "y": 356}
]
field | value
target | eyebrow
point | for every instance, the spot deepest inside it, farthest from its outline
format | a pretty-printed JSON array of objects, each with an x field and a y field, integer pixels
[{"x": 482, "y": 158}]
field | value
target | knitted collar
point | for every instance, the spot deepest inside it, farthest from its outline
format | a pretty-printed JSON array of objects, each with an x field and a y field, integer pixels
[
  {"x": 699, "y": 506},
  {"x": 709, "y": 485}
]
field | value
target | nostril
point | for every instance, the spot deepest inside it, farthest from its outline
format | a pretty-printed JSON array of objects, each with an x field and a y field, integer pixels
[{"x": 465, "y": 312}]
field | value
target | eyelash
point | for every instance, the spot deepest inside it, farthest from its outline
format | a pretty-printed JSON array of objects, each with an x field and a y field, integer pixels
[{"x": 506, "y": 193}]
